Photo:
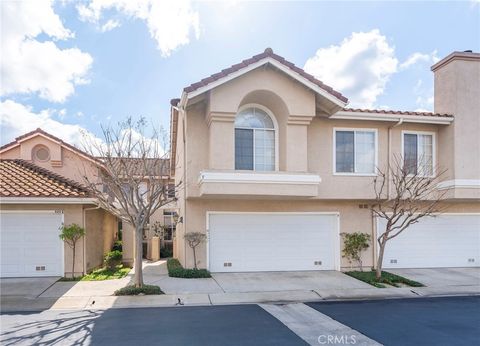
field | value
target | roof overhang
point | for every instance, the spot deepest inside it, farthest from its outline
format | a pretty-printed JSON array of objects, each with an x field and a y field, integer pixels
[
  {"x": 345, "y": 115},
  {"x": 186, "y": 96},
  {"x": 46, "y": 200}
]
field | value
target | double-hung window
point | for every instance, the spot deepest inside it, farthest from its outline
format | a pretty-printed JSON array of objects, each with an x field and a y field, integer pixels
[
  {"x": 355, "y": 151},
  {"x": 418, "y": 153},
  {"x": 254, "y": 141}
]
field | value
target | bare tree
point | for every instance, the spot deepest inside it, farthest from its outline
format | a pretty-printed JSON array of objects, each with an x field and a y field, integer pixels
[
  {"x": 133, "y": 177},
  {"x": 194, "y": 239},
  {"x": 414, "y": 197}
]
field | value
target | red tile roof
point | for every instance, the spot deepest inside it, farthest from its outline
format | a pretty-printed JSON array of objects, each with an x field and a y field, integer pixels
[
  {"x": 386, "y": 111},
  {"x": 268, "y": 53},
  {"x": 19, "y": 178}
]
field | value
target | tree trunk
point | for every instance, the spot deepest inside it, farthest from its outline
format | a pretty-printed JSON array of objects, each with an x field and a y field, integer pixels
[
  {"x": 194, "y": 258},
  {"x": 73, "y": 261},
  {"x": 378, "y": 273},
  {"x": 138, "y": 278}
]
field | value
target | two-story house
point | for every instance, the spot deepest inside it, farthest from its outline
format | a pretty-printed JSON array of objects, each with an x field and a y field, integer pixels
[{"x": 274, "y": 167}]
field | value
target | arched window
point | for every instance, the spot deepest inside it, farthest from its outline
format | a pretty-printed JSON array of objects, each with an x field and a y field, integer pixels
[{"x": 254, "y": 140}]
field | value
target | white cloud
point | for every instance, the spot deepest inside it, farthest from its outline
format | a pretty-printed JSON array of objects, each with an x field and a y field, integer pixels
[
  {"x": 110, "y": 25},
  {"x": 17, "y": 119},
  {"x": 360, "y": 66},
  {"x": 170, "y": 23},
  {"x": 32, "y": 66},
  {"x": 417, "y": 57}
]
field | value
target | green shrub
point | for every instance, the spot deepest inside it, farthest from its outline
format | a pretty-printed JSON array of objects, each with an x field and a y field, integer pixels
[
  {"x": 116, "y": 272},
  {"x": 386, "y": 278},
  {"x": 134, "y": 291},
  {"x": 353, "y": 246},
  {"x": 166, "y": 252},
  {"x": 112, "y": 259},
  {"x": 117, "y": 246},
  {"x": 176, "y": 270}
]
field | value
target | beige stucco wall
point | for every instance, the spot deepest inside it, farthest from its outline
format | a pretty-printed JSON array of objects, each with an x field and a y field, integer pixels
[
  {"x": 101, "y": 228},
  {"x": 457, "y": 90},
  {"x": 62, "y": 161}
]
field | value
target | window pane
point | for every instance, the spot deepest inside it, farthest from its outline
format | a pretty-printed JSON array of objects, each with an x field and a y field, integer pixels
[
  {"x": 264, "y": 150},
  {"x": 425, "y": 154},
  {"x": 254, "y": 118},
  {"x": 410, "y": 152},
  {"x": 344, "y": 148},
  {"x": 364, "y": 152},
  {"x": 243, "y": 149}
]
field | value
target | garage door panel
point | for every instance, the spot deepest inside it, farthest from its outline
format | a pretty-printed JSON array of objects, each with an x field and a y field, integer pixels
[
  {"x": 443, "y": 241},
  {"x": 30, "y": 245},
  {"x": 271, "y": 242}
]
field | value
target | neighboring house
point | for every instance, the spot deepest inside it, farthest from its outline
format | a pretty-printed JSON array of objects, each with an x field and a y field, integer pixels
[
  {"x": 41, "y": 189},
  {"x": 274, "y": 167},
  {"x": 161, "y": 219}
]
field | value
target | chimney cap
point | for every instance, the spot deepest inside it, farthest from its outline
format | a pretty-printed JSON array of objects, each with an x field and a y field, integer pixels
[{"x": 467, "y": 55}]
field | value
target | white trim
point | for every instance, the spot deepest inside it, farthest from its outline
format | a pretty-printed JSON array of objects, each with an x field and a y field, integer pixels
[
  {"x": 46, "y": 200},
  {"x": 259, "y": 63},
  {"x": 459, "y": 184},
  {"x": 434, "y": 150},
  {"x": 250, "y": 177},
  {"x": 275, "y": 131},
  {"x": 334, "y": 146},
  {"x": 345, "y": 115},
  {"x": 336, "y": 252}
]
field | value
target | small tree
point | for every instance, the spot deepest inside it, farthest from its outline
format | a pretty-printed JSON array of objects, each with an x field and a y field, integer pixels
[
  {"x": 414, "y": 197},
  {"x": 71, "y": 234},
  {"x": 133, "y": 179},
  {"x": 353, "y": 246},
  {"x": 194, "y": 239}
]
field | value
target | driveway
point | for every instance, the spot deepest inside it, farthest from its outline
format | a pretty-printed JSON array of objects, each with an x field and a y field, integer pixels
[
  {"x": 286, "y": 281},
  {"x": 25, "y": 287},
  {"x": 441, "y": 277}
]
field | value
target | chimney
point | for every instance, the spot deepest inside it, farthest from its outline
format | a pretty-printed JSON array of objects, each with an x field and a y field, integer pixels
[{"x": 457, "y": 92}]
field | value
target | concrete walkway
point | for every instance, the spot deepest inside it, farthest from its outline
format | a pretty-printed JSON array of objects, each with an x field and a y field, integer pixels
[{"x": 231, "y": 288}]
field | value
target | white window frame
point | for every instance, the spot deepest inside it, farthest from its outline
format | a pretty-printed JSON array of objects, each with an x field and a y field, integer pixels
[
  {"x": 334, "y": 146},
  {"x": 434, "y": 150},
  {"x": 275, "y": 129}
]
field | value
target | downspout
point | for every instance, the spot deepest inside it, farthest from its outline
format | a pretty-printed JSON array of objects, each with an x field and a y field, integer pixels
[{"x": 85, "y": 237}]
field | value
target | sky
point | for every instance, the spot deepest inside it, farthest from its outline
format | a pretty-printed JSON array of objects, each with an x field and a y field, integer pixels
[{"x": 70, "y": 67}]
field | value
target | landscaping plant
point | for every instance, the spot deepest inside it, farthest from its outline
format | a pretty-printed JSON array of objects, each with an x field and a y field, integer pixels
[
  {"x": 353, "y": 246},
  {"x": 194, "y": 239},
  {"x": 71, "y": 234},
  {"x": 112, "y": 259}
]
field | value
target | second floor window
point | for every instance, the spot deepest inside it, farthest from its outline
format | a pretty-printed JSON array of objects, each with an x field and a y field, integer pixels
[
  {"x": 254, "y": 141},
  {"x": 418, "y": 153},
  {"x": 355, "y": 151}
]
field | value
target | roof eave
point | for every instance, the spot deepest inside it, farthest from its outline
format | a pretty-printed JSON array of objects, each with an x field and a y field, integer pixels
[{"x": 392, "y": 117}]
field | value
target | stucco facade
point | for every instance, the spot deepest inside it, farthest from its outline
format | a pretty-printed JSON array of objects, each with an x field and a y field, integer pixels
[{"x": 304, "y": 179}]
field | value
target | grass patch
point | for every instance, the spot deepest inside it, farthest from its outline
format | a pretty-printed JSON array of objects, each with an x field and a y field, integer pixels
[
  {"x": 102, "y": 274},
  {"x": 175, "y": 270},
  {"x": 107, "y": 274},
  {"x": 135, "y": 291},
  {"x": 386, "y": 278}
]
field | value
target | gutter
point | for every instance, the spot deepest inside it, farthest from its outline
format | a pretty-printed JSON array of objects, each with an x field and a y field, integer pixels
[{"x": 46, "y": 200}]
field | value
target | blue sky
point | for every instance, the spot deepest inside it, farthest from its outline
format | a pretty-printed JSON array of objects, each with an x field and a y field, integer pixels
[{"x": 377, "y": 53}]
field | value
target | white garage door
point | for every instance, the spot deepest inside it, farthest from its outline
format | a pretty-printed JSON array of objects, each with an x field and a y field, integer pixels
[
  {"x": 442, "y": 241},
  {"x": 30, "y": 245},
  {"x": 248, "y": 242}
]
